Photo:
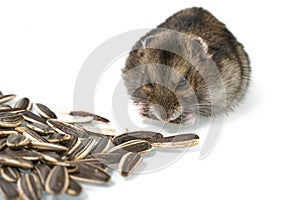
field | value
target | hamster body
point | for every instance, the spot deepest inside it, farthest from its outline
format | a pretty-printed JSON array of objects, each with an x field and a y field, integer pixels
[{"x": 170, "y": 71}]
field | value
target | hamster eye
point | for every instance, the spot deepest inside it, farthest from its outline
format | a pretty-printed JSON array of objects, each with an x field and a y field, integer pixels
[
  {"x": 149, "y": 85},
  {"x": 182, "y": 83}
]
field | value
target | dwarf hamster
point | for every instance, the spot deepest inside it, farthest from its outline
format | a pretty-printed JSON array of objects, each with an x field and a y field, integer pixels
[{"x": 171, "y": 73}]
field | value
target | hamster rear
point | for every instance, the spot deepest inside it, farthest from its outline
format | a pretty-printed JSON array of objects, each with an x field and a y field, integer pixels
[{"x": 170, "y": 71}]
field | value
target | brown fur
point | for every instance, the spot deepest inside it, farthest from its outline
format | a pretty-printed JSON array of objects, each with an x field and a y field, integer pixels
[{"x": 160, "y": 59}]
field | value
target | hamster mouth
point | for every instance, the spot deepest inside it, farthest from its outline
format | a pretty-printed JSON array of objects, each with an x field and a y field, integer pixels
[
  {"x": 142, "y": 108},
  {"x": 186, "y": 117}
]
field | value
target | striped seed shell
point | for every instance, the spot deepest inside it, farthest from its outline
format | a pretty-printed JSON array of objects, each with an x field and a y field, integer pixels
[
  {"x": 43, "y": 129},
  {"x": 74, "y": 141},
  {"x": 57, "y": 181},
  {"x": 72, "y": 168},
  {"x": 21, "y": 129},
  {"x": 9, "y": 160},
  {"x": 31, "y": 117},
  {"x": 25, "y": 154},
  {"x": 91, "y": 161},
  {"x": 29, "y": 187},
  {"x": 17, "y": 140},
  {"x": 94, "y": 134},
  {"x": 10, "y": 174},
  {"x": 42, "y": 171},
  {"x": 12, "y": 111},
  {"x": 23, "y": 103},
  {"x": 8, "y": 191},
  {"x": 144, "y": 135},
  {"x": 6, "y": 98},
  {"x": 90, "y": 174},
  {"x": 100, "y": 129},
  {"x": 5, "y": 107},
  {"x": 44, "y": 111},
  {"x": 74, "y": 189},
  {"x": 65, "y": 128},
  {"x": 10, "y": 120},
  {"x": 50, "y": 156},
  {"x": 57, "y": 137},
  {"x": 2, "y": 143},
  {"x": 75, "y": 144},
  {"x": 34, "y": 136},
  {"x": 129, "y": 162},
  {"x": 87, "y": 114},
  {"x": 138, "y": 146},
  {"x": 177, "y": 141},
  {"x": 7, "y": 132},
  {"x": 47, "y": 146},
  {"x": 107, "y": 158},
  {"x": 83, "y": 149},
  {"x": 102, "y": 145}
]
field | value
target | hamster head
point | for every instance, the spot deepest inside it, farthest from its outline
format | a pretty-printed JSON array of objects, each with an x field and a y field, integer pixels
[{"x": 163, "y": 76}]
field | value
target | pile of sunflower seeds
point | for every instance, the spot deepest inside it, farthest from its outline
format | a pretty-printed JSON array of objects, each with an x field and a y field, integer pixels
[{"x": 40, "y": 152}]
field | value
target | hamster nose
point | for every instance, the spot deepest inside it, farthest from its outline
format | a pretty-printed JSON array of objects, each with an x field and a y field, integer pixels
[{"x": 159, "y": 112}]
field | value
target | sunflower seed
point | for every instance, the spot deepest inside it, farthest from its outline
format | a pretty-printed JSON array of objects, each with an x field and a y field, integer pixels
[
  {"x": 45, "y": 112},
  {"x": 177, "y": 141},
  {"x": 47, "y": 146},
  {"x": 10, "y": 120},
  {"x": 42, "y": 171},
  {"x": 68, "y": 129},
  {"x": 31, "y": 117},
  {"x": 34, "y": 136},
  {"x": 83, "y": 149},
  {"x": 6, "y": 98},
  {"x": 17, "y": 140},
  {"x": 24, "y": 104},
  {"x": 92, "y": 161},
  {"x": 140, "y": 146},
  {"x": 2, "y": 143},
  {"x": 100, "y": 129},
  {"x": 21, "y": 129},
  {"x": 1, "y": 93},
  {"x": 12, "y": 111},
  {"x": 74, "y": 189},
  {"x": 29, "y": 187},
  {"x": 129, "y": 162},
  {"x": 7, "y": 132},
  {"x": 75, "y": 146},
  {"x": 87, "y": 114},
  {"x": 71, "y": 143},
  {"x": 107, "y": 158},
  {"x": 94, "y": 134},
  {"x": 57, "y": 181},
  {"x": 43, "y": 129},
  {"x": 50, "y": 156},
  {"x": 8, "y": 191},
  {"x": 57, "y": 137},
  {"x": 145, "y": 135},
  {"x": 102, "y": 145},
  {"x": 72, "y": 168},
  {"x": 90, "y": 174},
  {"x": 5, "y": 107},
  {"x": 13, "y": 161},
  {"x": 10, "y": 174},
  {"x": 26, "y": 155}
]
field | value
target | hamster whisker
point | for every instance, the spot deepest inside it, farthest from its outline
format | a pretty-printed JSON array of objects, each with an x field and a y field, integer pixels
[{"x": 200, "y": 105}]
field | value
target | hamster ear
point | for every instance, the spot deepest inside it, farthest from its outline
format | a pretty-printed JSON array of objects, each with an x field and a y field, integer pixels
[{"x": 201, "y": 46}]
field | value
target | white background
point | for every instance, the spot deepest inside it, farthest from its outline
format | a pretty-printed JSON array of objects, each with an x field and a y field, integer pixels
[{"x": 43, "y": 45}]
